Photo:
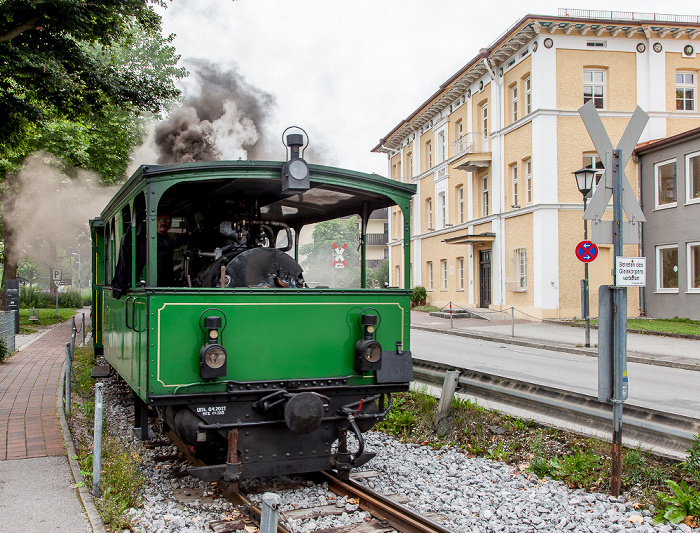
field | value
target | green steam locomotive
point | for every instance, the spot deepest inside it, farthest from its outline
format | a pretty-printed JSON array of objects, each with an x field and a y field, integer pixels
[{"x": 201, "y": 306}]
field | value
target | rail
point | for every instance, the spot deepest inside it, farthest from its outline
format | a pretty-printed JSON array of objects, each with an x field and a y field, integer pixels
[
  {"x": 626, "y": 15},
  {"x": 648, "y": 426}
]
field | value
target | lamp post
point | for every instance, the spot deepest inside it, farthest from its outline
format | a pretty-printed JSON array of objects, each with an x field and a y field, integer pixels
[
  {"x": 74, "y": 253},
  {"x": 584, "y": 181}
]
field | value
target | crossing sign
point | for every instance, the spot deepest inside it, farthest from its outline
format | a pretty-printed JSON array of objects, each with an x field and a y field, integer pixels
[
  {"x": 339, "y": 262},
  {"x": 586, "y": 251}
]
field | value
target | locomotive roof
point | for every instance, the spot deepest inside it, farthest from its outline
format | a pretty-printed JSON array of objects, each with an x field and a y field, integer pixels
[{"x": 334, "y": 191}]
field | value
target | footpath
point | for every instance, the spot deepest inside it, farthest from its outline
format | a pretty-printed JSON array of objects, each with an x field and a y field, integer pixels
[
  {"x": 37, "y": 472},
  {"x": 641, "y": 348}
]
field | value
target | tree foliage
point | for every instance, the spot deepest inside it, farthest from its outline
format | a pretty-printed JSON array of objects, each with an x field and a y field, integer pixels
[{"x": 320, "y": 254}]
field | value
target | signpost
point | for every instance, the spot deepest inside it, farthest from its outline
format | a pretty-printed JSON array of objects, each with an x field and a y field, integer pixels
[
  {"x": 56, "y": 275},
  {"x": 615, "y": 185}
]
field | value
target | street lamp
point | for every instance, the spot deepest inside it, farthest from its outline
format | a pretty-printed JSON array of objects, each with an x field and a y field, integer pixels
[
  {"x": 73, "y": 253},
  {"x": 584, "y": 181}
]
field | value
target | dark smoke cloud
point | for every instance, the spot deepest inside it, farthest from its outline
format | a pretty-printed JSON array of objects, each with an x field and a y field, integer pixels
[{"x": 224, "y": 118}]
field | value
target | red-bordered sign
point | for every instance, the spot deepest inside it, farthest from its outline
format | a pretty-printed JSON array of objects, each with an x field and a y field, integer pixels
[
  {"x": 586, "y": 251},
  {"x": 338, "y": 261}
]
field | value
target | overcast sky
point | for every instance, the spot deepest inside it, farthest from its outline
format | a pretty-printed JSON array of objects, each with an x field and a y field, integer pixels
[{"x": 349, "y": 71}]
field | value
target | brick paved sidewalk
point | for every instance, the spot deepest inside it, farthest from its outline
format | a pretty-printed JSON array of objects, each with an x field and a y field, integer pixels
[{"x": 29, "y": 425}]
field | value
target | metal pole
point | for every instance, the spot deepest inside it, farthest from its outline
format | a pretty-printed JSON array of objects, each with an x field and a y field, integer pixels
[
  {"x": 451, "y": 322},
  {"x": 67, "y": 377},
  {"x": 586, "y": 301},
  {"x": 72, "y": 334},
  {"x": 512, "y": 321},
  {"x": 56, "y": 301},
  {"x": 83, "y": 329},
  {"x": 268, "y": 520},
  {"x": 97, "y": 446},
  {"x": 619, "y": 331}
]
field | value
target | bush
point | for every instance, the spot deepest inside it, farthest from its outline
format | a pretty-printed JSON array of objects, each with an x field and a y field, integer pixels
[
  {"x": 87, "y": 300},
  {"x": 419, "y": 296},
  {"x": 30, "y": 297},
  {"x": 70, "y": 299},
  {"x": 3, "y": 349}
]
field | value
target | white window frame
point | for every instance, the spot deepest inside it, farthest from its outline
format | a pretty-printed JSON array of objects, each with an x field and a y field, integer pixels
[
  {"x": 657, "y": 167},
  {"x": 691, "y": 178},
  {"x": 429, "y": 201},
  {"x": 460, "y": 203},
  {"x": 441, "y": 146},
  {"x": 659, "y": 269},
  {"x": 514, "y": 101},
  {"x": 430, "y": 275},
  {"x": 485, "y": 121},
  {"x": 692, "y": 270},
  {"x": 460, "y": 273},
  {"x": 485, "y": 196},
  {"x": 514, "y": 177},
  {"x": 444, "y": 274},
  {"x": 430, "y": 154},
  {"x": 593, "y": 84},
  {"x": 519, "y": 259},
  {"x": 594, "y": 160},
  {"x": 398, "y": 276},
  {"x": 442, "y": 209},
  {"x": 528, "y": 95},
  {"x": 528, "y": 181},
  {"x": 687, "y": 104},
  {"x": 410, "y": 165}
]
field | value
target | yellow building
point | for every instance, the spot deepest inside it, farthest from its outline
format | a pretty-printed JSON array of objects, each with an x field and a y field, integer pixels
[{"x": 498, "y": 214}]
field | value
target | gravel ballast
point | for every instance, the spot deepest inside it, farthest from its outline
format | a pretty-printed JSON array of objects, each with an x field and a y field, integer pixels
[{"x": 464, "y": 494}]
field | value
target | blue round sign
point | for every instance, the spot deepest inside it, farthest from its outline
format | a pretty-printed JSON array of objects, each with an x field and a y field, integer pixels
[{"x": 586, "y": 251}]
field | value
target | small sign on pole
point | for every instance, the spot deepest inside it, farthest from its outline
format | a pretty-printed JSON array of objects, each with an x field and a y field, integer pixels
[
  {"x": 56, "y": 274},
  {"x": 339, "y": 262},
  {"x": 630, "y": 271},
  {"x": 586, "y": 251}
]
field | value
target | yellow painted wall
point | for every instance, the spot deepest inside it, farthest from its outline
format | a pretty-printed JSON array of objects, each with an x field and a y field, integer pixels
[
  {"x": 517, "y": 148},
  {"x": 676, "y": 126},
  {"x": 621, "y": 84},
  {"x": 518, "y": 234},
  {"x": 515, "y": 76}
]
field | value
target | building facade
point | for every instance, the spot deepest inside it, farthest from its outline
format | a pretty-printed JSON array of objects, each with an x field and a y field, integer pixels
[
  {"x": 669, "y": 172},
  {"x": 498, "y": 214}
]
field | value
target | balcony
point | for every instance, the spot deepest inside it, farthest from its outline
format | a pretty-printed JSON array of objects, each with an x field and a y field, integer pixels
[
  {"x": 470, "y": 143},
  {"x": 376, "y": 239}
]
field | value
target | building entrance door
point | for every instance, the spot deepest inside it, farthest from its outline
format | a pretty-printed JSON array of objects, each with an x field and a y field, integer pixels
[{"x": 485, "y": 278}]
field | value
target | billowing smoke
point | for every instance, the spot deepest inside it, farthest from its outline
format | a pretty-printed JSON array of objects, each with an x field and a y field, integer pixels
[
  {"x": 224, "y": 117},
  {"x": 51, "y": 208}
]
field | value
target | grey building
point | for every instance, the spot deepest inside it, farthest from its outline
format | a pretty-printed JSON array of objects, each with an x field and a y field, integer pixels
[{"x": 669, "y": 171}]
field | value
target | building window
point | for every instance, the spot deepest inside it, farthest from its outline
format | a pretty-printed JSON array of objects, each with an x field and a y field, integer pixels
[
  {"x": 685, "y": 91},
  {"x": 442, "y": 206},
  {"x": 441, "y": 147},
  {"x": 485, "y": 196},
  {"x": 519, "y": 260},
  {"x": 429, "y": 148},
  {"x": 398, "y": 276},
  {"x": 459, "y": 145},
  {"x": 693, "y": 256},
  {"x": 430, "y": 275},
  {"x": 692, "y": 178},
  {"x": 485, "y": 123},
  {"x": 398, "y": 171},
  {"x": 514, "y": 99},
  {"x": 665, "y": 184},
  {"x": 410, "y": 165},
  {"x": 444, "y": 274},
  {"x": 460, "y": 273},
  {"x": 594, "y": 87},
  {"x": 667, "y": 268},
  {"x": 528, "y": 96},
  {"x": 591, "y": 160},
  {"x": 429, "y": 205},
  {"x": 528, "y": 180},
  {"x": 460, "y": 203},
  {"x": 514, "y": 174}
]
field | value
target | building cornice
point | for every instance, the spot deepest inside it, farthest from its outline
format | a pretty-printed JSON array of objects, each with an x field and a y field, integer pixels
[{"x": 582, "y": 22}]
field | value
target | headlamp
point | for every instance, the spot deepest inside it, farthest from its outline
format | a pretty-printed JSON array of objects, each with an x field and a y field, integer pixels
[
  {"x": 368, "y": 352},
  {"x": 212, "y": 356}
]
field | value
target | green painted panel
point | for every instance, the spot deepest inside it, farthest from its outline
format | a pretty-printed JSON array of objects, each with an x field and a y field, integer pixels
[{"x": 268, "y": 335}]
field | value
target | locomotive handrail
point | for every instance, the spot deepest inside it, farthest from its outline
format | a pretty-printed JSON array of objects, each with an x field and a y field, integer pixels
[{"x": 126, "y": 312}]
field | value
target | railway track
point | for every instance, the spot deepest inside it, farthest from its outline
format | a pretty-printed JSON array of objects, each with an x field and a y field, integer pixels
[
  {"x": 669, "y": 434},
  {"x": 388, "y": 514}
]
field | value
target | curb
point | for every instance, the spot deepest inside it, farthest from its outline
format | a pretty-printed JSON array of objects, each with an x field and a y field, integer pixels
[
  {"x": 638, "y": 331},
  {"x": 96, "y": 524},
  {"x": 590, "y": 352}
]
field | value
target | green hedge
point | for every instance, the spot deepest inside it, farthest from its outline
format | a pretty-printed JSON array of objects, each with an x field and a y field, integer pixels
[{"x": 33, "y": 297}]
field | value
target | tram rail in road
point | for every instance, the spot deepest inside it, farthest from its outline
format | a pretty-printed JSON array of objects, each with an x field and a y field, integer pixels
[{"x": 655, "y": 429}]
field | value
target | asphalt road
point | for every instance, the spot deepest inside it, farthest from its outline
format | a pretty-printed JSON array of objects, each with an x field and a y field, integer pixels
[{"x": 666, "y": 389}]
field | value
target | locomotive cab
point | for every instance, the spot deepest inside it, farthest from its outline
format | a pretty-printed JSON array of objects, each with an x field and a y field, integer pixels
[{"x": 228, "y": 326}]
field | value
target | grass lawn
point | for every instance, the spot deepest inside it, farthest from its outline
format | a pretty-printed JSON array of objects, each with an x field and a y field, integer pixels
[
  {"x": 47, "y": 317},
  {"x": 684, "y": 326}
]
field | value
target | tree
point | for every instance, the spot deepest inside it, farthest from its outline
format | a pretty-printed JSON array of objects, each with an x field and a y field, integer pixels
[
  {"x": 76, "y": 78},
  {"x": 319, "y": 254}
]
